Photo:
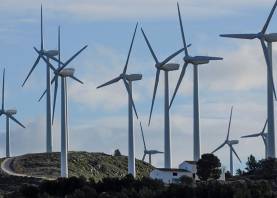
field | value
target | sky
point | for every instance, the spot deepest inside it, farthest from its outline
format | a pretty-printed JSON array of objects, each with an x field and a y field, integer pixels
[{"x": 98, "y": 119}]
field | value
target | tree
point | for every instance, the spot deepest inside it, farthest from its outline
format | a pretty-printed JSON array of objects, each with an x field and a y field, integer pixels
[
  {"x": 267, "y": 167},
  {"x": 208, "y": 167},
  {"x": 251, "y": 164},
  {"x": 117, "y": 152},
  {"x": 228, "y": 175},
  {"x": 239, "y": 172}
]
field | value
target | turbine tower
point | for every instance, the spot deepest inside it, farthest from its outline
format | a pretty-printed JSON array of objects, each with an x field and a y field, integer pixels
[
  {"x": 127, "y": 80},
  {"x": 49, "y": 54},
  {"x": 146, "y": 151},
  {"x": 64, "y": 73},
  {"x": 195, "y": 61},
  {"x": 230, "y": 143},
  {"x": 267, "y": 50},
  {"x": 261, "y": 134},
  {"x": 166, "y": 67},
  {"x": 9, "y": 115}
]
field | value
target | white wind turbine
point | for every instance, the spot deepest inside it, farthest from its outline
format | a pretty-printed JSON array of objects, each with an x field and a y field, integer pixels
[
  {"x": 127, "y": 80},
  {"x": 49, "y": 54},
  {"x": 64, "y": 73},
  {"x": 166, "y": 67},
  {"x": 261, "y": 134},
  {"x": 267, "y": 50},
  {"x": 195, "y": 61},
  {"x": 230, "y": 143},
  {"x": 146, "y": 151},
  {"x": 9, "y": 113}
]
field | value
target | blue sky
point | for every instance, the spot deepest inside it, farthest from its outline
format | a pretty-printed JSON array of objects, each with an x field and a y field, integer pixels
[{"x": 98, "y": 118}]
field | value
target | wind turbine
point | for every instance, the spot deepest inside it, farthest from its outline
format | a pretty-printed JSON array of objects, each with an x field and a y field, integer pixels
[
  {"x": 261, "y": 134},
  {"x": 195, "y": 61},
  {"x": 49, "y": 54},
  {"x": 63, "y": 73},
  {"x": 127, "y": 80},
  {"x": 146, "y": 151},
  {"x": 267, "y": 50},
  {"x": 230, "y": 143},
  {"x": 166, "y": 67},
  {"x": 9, "y": 113}
]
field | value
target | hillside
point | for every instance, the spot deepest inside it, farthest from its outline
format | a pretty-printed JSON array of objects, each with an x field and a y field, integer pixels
[{"x": 89, "y": 165}]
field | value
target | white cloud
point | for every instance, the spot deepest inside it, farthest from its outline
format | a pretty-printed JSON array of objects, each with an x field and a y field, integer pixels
[{"x": 112, "y": 10}]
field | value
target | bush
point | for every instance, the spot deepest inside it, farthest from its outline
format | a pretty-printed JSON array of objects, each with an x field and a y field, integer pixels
[
  {"x": 185, "y": 180},
  {"x": 251, "y": 165},
  {"x": 117, "y": 153},
  {"x": 208, "y": 167}
]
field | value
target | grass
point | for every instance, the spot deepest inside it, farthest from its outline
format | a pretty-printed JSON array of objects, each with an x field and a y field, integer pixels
[{"x": 89, "y": 165}]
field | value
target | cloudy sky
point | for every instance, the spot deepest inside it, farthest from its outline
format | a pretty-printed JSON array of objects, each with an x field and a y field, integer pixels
[{"x": 98, "y": 118}]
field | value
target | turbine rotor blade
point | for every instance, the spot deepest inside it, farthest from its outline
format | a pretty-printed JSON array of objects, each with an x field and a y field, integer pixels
[
  {"x": 182, "y": 30},
  {"x": 130, "y": 95},
  {"x": 110, "y": 82},
  {"x": 41, "y": 29},
  {"x": 143, "y": 158},
  {"x": 264, "y": 140},
  {"x": 219, "y": 147},
  {"x": 130, "y": 49},
  {"x": 179, "y": 83},
  {"x": 268, "y": 65},
  {"x": 73, "y": 57},
  {"x": 3, "y": 90},
  {"x": 253, "y": 135},
  {"x": 45, "y": 60},
  {"x": 240, "y": 36},
  {"x": 142, "y": 134},
  {"x": 55, "y": 97},
  {"x": 76, "y": 79},
  {"x": 229, "y": 126},
  {"x": 154, "y": 94},
  {"x": 235, "y": 152},
  {"x": 264, "y": 126},
  {"x": 42, "y": 95},
  {"x": 32, "y": 69},
  {"x": 59, "y": 47},
  {"x": 149, "y": 46},
  {"x": 15, "y": 120},
  {"x": 171, "y": 56},
  {"x": 269, "y": 17}
]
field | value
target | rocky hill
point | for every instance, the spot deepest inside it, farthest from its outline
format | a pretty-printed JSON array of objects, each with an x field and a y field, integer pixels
[{"x": 89, "y": 165}]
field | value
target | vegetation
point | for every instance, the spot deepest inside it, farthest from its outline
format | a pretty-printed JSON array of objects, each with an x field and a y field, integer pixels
[
  {"x": 128, "y": 187},
  {"x": 89, "y": 165},
  {"x": 258, "y": 180},
  {"x": 208, "y": 167},
  {"x": 251, "y": 165},
  {"x": 263, "y": 169},
  {"x": 117, "y": 153}
]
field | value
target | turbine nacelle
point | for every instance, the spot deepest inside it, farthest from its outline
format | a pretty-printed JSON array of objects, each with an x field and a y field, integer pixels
[
  {"x": 67, "y": 72},
  {"x": 195, "y": 60},
  {"x": 133, "y": 77},
  {"x": 11, "y": 111},
  {"x": 271, "y": 37},
  {"x": 170, "y": 67},
  {"x": 152, "y": 152},
  {"x": 51, "y": 53},
  {"x": 232, "y": 142}
]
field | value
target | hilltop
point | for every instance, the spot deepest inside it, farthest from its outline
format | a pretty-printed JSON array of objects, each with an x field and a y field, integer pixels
[{"x": 89, "y": 165}]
